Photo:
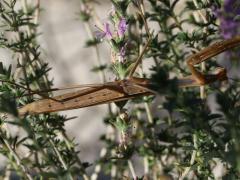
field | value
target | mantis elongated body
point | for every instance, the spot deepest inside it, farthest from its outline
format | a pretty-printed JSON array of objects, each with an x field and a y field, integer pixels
[{"x": 132, "y": 87}]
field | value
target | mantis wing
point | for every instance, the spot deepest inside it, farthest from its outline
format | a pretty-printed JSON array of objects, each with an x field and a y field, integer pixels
[
  {"x": 81, "y": 98},
  {"x": 105, "y": 93}
]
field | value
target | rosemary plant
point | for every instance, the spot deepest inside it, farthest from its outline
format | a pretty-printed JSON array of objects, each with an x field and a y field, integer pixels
[{"x": 177, "y": 136}]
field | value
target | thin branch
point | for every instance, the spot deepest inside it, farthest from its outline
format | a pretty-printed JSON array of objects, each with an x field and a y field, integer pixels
[
  {"x": 15, "y": 155},
  {"x": 61, "y": 159},
  {"x": 30, "y": 31},
  {"x": 131, "y": 168},
  {"x": 66, "y": 139},
  {"x": 37, "y": 14},
  {"x": 192, "y": 160},
  {"x": 203, "y": 65}
]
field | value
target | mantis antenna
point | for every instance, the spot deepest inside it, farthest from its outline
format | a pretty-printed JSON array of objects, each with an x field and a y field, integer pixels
[{"x": 140, "y": 57}]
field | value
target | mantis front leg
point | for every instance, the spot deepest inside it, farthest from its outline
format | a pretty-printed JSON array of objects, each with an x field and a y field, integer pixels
[{"x": 207, "y": 53}]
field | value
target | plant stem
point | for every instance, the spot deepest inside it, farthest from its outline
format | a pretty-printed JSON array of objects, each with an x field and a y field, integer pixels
[
  {"x": 61, "y": 159},
  {"x": 130, "y": 165},
  {"x": 30, "y": 31},
  {"x": 7, "y": 173},
  {"x": 146, "y": 165},
  {"x": 192, "y": 160},
  {"x": 15, "y": 155},
  {"x": 66, "y": 139},
  {"x": 98, "y": 167},
  {"x": 203, "y": 64},
  {"x": 36, "y": 19}
]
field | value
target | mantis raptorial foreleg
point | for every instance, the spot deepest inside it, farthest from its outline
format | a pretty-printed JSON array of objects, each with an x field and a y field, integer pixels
[{"x": 207, "y": 53}]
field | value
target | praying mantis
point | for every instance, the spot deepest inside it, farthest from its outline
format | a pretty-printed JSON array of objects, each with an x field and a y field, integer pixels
[{"x": 131, "y": 87}]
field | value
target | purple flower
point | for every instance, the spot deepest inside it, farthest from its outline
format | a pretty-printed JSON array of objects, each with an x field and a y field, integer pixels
[
  {"x": 100, "y": 34},
  {"x": 108, "y": 31},
  {"x": 228, "y": 24},
  {"x": 122, "y": 53},
  {"x": 122, "y": 27},
  {"x": 232, "y": 6},
  {"x": 229, "y": 28}
]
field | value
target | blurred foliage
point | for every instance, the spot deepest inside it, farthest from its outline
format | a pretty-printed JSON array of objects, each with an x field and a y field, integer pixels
[{"x": 179, "y": 137}]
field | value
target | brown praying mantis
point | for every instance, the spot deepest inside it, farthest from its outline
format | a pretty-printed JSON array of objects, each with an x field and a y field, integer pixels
[{"x": 131, "y": 87}]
